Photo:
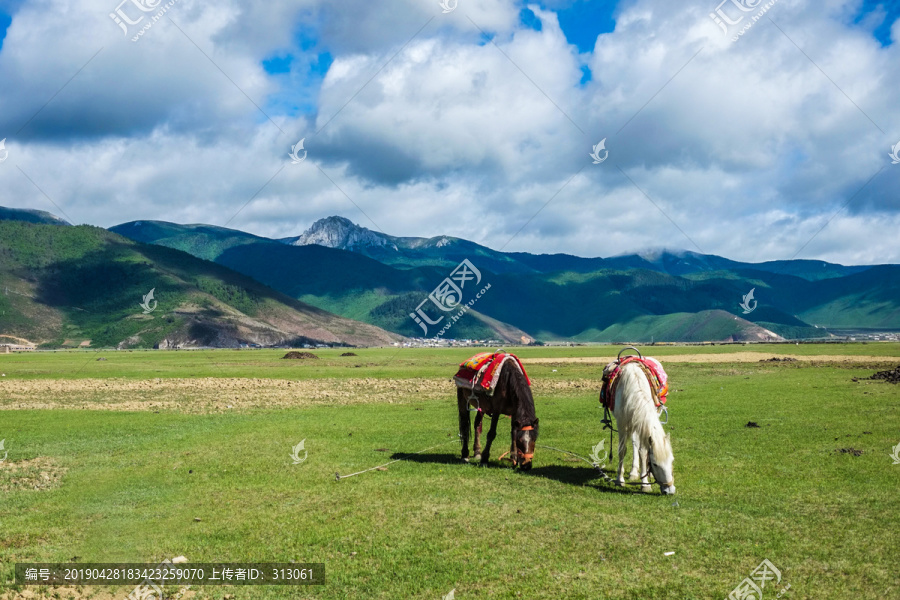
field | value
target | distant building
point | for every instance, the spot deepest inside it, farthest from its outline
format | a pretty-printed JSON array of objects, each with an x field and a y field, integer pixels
[{"x": 7, "y": 348}]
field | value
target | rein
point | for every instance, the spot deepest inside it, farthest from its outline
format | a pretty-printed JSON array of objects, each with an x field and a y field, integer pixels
[
  {"x": 650, "y": 472},
  {"x": 607, "y": 424}
]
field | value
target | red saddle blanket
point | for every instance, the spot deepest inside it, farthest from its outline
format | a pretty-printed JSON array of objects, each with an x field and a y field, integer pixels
[
  {"x": 652, "y": 368},
  {"x": 483, "y": 370}
]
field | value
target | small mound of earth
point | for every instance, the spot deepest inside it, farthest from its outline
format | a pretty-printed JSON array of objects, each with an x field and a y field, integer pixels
[
  {"x": 892, "y": 376},
  {"x": 776, "y": 359},
  {"x": 852, "y": 451},
  {"x": 752, "y": 424},
  {"x": 299, "y": 355},
  {"x": 349, "y": 354}
]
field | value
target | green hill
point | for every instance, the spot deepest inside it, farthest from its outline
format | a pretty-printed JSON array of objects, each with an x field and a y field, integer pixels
[
  {"x": 69, "y": 285},
  {"x": 662, "y": 295},
  {"x": 207, "y": 241},
  {"x": 203, "y": 241},
  {"x": 30, "y": 216},
  {"x": 684, "y": 327},
  {"x": 549, "y": 306}
]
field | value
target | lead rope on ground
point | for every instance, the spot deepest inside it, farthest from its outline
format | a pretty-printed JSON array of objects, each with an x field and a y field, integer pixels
[
  {"x": 338, "y": 476},
  {"x": 595, "y": 465}
]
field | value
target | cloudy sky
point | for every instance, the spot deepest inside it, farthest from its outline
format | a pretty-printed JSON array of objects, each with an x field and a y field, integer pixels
[{"x": 476, "y": 122}]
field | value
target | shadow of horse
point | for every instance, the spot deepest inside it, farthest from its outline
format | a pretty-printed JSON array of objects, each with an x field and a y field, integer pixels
[
  {"x": 441, "y": 459},
  {"x": 580, "y": 476}
]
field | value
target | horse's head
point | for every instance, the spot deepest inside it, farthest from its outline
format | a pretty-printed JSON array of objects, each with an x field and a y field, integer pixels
[
  {"x": 661, "y": 462},
  {"x": 525, "y": 438}
]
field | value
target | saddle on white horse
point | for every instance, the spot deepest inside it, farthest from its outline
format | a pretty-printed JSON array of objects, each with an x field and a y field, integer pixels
[{"x": 651, "y": 367}]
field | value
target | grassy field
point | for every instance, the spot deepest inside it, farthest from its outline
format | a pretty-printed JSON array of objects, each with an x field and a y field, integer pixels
[{"x": 812, "y": 489}]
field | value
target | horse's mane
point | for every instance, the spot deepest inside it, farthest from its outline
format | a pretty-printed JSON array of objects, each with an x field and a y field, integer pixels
[
  {"x": 512, "y": 378},
  {"x": 643, "y": 415}
]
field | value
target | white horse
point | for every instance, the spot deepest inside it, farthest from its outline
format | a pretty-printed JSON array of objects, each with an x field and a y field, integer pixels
[{"x": 638, "y": 420}]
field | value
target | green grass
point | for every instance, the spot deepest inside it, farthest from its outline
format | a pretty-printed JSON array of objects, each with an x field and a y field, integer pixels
[{"x": 429, "y": 524}]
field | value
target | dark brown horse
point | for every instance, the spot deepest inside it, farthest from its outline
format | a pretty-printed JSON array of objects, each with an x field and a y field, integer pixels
[{"x": 512, "y": 396}]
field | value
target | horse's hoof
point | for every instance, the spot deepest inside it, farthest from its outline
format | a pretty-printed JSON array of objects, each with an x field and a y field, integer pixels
[
  {"x": 620, "y": 483},
  {"x": 476, "y": 457},
  {"x": 646, "y": 488},
  {"x": 633, "y": 476},
  {"x": 465, "y": 459}
]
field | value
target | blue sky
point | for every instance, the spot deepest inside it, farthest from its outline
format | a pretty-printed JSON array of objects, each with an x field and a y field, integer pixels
[
  {"x": 773, "y": 146},
  {"x": 891, "y": 11}
]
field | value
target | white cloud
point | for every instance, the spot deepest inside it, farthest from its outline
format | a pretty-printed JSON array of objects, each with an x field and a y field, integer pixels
[{"x": 750, "y": 149}]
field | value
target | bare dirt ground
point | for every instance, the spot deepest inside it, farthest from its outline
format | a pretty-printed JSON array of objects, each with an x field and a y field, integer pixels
[
  {"x": 209, "y": 395},
  {"x": 731, "y": 357},
  {"x": 40, "y": 473}
]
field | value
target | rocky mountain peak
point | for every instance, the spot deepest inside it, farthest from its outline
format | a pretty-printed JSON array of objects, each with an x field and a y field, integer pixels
[{"x": 342, "y": 233}]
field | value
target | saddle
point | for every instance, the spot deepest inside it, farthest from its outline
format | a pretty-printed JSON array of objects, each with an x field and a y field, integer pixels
[
  {"x": 651, "y": 367},
  {"x": 482, "y": 371}
]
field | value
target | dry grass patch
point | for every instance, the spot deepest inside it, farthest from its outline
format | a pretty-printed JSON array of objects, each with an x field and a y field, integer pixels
[
  {"x": 731, "y": 357},
  {"x": 208, "y": 395},
  {"x": 40, "y": 474}
]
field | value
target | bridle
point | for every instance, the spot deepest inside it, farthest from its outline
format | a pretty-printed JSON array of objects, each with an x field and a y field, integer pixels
[
  {"x": 523, "y": 455},
  {"x": 650, "y": 472}
]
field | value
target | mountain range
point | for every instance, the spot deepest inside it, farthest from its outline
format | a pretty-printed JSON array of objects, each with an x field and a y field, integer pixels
[
  {"x": 406, "y": 286},
  {"x": 657, "y": 295},
  {"x": 64, "y": 286}
]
